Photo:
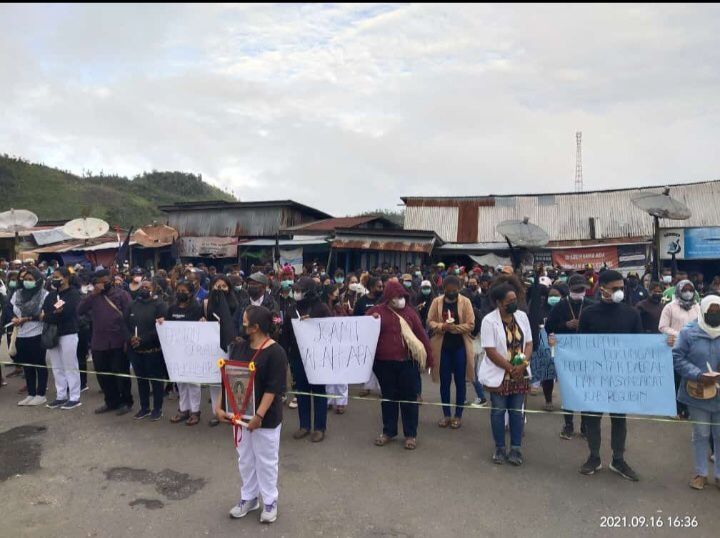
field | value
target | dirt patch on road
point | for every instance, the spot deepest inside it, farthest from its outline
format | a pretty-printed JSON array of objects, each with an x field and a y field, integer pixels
[
  {"x": 150, "y": 504},
  {"x": 20, "y": 450},
  {"x": 169, "y": 483}
]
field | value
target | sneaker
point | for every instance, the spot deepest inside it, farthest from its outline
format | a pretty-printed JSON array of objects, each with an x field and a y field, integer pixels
[
  {"x": 156, "y": 414},
  {"x": 567, "y": 433},
  {"x": 55, "y": 404},
  {"x": 699, "y": 482},
  {"x": 624, "y": 470},
  {"x": 83, "y": 389},
  {"x": 515, "y": 457},
  {"x": 500, "y": 456},
  {"x": 244, "y": 508},
  {"x": 549, "y": 407},
  {"x": 25, "y": 400},
  {"x": 71, "y": 404},
  {"x": 591, "y": 466},
  {"x": 141, "y": 414},
  {"x": 37, "y": 400},
  {"x": 479, "y": 402},
  {"x": 293, "y": 404},
  {"x": 269, "y": 513},
  {"x": 123, "y": 410}
]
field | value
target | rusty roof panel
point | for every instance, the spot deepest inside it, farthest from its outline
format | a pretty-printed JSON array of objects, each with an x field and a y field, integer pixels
[{"x": 375, "y": 244}]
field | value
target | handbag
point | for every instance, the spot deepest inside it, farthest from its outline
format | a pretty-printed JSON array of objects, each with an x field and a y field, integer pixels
[
  {"x": 50, "y": 336},
  {"x": 701, "y": 392},
  {"x": 12, "y": 349},
  {"x": 412, "y": 342}
]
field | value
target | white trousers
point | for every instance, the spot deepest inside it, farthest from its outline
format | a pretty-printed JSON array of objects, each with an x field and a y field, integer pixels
[
  {"x": 189, "y": 397},
  {"x": 258, "y": 457},
  {"x": 373, "y": 384},
  {"x": 215, "y": 395},
  {"x": 337, "y": 390},
  {"x": 63, "y": 359}
]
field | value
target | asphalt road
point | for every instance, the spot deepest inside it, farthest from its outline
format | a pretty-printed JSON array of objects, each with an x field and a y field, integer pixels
[{"x": 76, "y": 474}]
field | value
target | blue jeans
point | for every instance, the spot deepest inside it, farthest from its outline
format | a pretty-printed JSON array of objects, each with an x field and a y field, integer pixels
[
  {"x": 318, "y": 403},
  {"x": 701, "y": 439},
  {"x": 512, "y": 403},
  {"x": 476, "y": 383},
  {"x": 452, "y": 364}
]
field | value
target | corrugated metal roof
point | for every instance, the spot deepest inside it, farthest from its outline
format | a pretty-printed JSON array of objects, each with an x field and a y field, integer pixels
[
  {"x": 265, "y": 204},
  {"x": 330, "y": 225},
  {"x": 568, "y": 219},
  {"x": 284, "y": 242}
]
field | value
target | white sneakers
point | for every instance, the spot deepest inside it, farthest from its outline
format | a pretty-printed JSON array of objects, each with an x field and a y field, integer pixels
[
  {"x": 269, "y": 513},
  {"x": 33, "y": 400}
]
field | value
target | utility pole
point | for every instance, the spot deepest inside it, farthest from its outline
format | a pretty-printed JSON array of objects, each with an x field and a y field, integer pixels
[{"x": 578, "y": 163}]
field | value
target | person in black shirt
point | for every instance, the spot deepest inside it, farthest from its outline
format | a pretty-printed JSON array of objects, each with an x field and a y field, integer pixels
[
  {"x": 60, "y": 309},
  {"x": 259, "y": 444},
  {"x": 186, "y": 308},
  {"x": 563, "y": 319},
  {"x": 610, "y": 316},
  {"x": 651, "y": 309},
  {"x": 366, "y": 302}
]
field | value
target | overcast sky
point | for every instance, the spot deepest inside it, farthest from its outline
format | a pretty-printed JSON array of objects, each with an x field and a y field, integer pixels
[{"x": 348, "y": 107}]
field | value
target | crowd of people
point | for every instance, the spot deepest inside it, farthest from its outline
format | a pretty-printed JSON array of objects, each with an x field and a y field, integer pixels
[{"x": 479, "y": 325}]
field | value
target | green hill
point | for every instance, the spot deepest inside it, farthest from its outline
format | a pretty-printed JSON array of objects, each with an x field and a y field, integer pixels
[{"x": 53, "y": 194}]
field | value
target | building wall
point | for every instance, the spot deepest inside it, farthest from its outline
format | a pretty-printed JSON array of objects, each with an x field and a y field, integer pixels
[{"x": 241, "y": 222}]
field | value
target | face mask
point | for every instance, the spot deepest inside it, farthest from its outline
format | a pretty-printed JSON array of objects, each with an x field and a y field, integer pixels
[
  {"x": 238, "y": 288},
  {"x": 552, "y": 301},
  {"x": 298, "y": 295},
  {"x": 687, "y": 296},
  {"x": 713, "y": 319},
  {"x": 339, "y": 279},
  {"x": 57, "y": 284},
  {"x": 457, "y": 271},
  {"x": 12, "y": 284},
  {"x": 667, "y": 279},
  {"x": 398, "y": 304},
  {"x": 29, "y": 285},
  {"x": 633, "y": 282},
  {"x": 407, "y": 284},
  {"x": 618, "y": 296},
  {"x": 452, "y": 295},
  {"x": 255, "y": 291},
  {"x": 511, "y": 308},
  {"x": 183, "y": 297},
  {"x": 286, "y": 284},
  {"x": 473, "y": 289},
  {"x": 656, "y": 297},
  {"x": 144, "y": 293},
  {"x": 563, "y": 279},
  {"x": 577, "y": 295},
  {"x": 426, "y": 291},
  {"x": 418, "y": 274}
]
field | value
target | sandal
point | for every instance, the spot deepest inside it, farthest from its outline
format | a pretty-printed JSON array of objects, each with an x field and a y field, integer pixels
[
  {"x": 444, "y": 422},
  {"x": 382, "y": 440},
  {"x": 193, "y": 419},
  {"x": 340, "y": 410},
  {"x": 410, "y": 443},
  {"x": 455, "y": 423},
  {"x": 180, "y": 417}
]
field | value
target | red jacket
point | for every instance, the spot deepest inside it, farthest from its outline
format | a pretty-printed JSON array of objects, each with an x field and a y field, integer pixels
[{"x": 391, "y": 346}]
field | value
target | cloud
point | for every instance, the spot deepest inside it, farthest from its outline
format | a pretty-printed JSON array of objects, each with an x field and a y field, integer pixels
[{"x": 347, "y": 107}]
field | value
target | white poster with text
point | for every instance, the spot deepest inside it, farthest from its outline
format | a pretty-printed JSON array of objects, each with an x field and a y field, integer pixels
[{"x": 191, "y": 350}]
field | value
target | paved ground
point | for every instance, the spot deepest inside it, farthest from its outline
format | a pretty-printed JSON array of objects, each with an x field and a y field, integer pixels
[{"x": 75, "y": 474}]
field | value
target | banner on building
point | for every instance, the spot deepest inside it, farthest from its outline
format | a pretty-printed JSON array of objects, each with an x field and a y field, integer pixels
[
  {"x": 690, "y": 243},
  {"x": 578, "y": 258},
  {"x": 191, "y": 350},
  {"x": 616, "y": 373},
  {"x": 337, "y": 350},
  {"x": 208, "y": 247},
  {"x": 293, "y": 257}
]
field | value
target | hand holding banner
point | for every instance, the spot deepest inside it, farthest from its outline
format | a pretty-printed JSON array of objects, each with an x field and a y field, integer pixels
[
  {"x": 616, "y": 373},
  {"x": 338, "y": 350}
]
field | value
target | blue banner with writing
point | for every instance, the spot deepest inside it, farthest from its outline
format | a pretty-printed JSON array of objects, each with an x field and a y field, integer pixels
[{"x": 616, "y": 373}]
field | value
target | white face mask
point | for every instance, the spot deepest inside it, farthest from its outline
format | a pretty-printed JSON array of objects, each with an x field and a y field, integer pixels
[
  {"x": 667, "y": 279},
  {"x": 298, "y": 295},
  {"x": 618, "y": 296},
  {"x": 687, "y": 295},
  {"x": 579, "y": 296},
  {"x": 398, "y": 304}
]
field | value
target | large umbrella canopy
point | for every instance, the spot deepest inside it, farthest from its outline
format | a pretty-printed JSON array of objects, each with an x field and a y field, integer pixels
[
  {"x": 662, "y": 205},
  {"x": 86, "y": 228},
  {"x": 521, "y": 233},
  {"x": 17, "y": 220}
]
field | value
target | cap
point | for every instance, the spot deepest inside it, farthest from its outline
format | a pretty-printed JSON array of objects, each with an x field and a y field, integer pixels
[
  {"x": 260, "y": 278},
  {"x": 545, "y": 281},
  {"x": 425, "y": 284},
  {"x": 136, "y": 271},
  {"x": 407, "y": 277},
  {"x": 577, "y": 281},
  {"x": 633, "y": 273},
  {"x": 441, "y": 265},
  {"x": 507, "y": 270}
]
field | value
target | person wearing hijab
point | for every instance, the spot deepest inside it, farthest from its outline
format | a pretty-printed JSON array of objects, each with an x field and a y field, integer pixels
[
  {"x": 13, "y": 284},
  {"x": 676, "y": 314},
  {"x": 396, "y": 371},
  {"x": 696, "y": 357},
  {"x": 27, "y": 317},
  {"x": 220, "y": 306},
  {"x": 60, "y": 309},
  {"x": 312, "y": 410}
]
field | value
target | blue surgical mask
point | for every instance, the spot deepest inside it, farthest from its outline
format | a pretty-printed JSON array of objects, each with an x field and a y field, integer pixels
[
  {"x": 12, "y": 284},
  {"x": 29, "y": 284},
  {"x": 426, "y": 291},
  {"x": 339, "y": 279},
  {"x": 552, "y": 301},
  {"x": 407, "y": 283}
]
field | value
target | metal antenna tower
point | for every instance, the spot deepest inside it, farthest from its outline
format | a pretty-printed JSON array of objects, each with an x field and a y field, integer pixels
[{"x": 578, "y": 163}]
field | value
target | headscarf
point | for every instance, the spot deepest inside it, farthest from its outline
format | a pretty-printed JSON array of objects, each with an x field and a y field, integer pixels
[
  {"x": 687, "y": 305},
  {"x": 705, "y": 304},
  {"x": 222, "y": 305},
  {"x": 29, "y": 302}
]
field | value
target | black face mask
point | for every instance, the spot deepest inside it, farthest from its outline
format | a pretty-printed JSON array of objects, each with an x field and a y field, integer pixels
[
  {"x": 255, "y": 292},
  {"x": 473, "y": 289},
  {"x": 713, "y": 319},
  {"x": 452, "y": 295},
  {"x": 57, "y": 283},
  {"x": 511, "y": 308},
  {"x": 656, "y": 297},
  {"x": 183, "y": 297},
  {"x": 144, "y": 293}
]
